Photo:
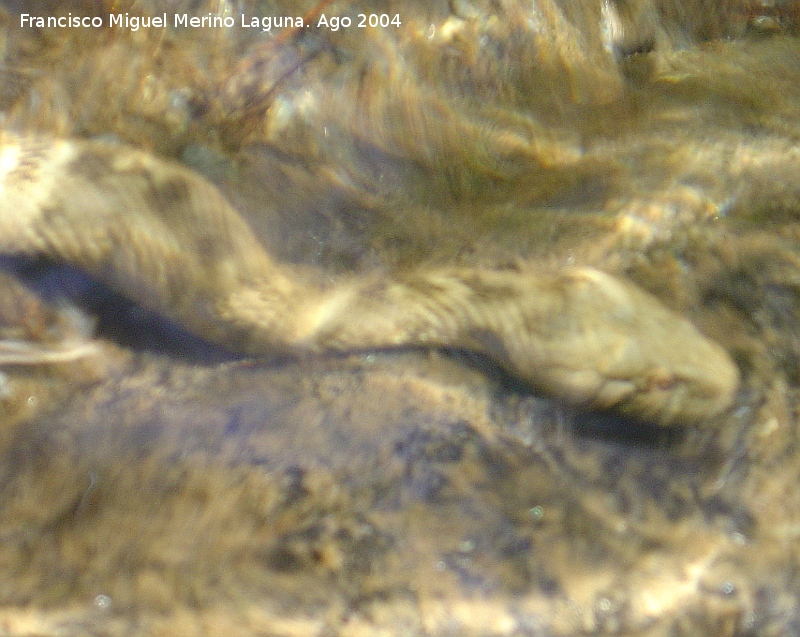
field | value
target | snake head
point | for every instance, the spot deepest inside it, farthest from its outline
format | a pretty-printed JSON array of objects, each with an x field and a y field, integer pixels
[{"x": 606, "y": 344}]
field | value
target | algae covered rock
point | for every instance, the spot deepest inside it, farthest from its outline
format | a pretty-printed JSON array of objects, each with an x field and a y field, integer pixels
[{"x": 162, "y": 475}]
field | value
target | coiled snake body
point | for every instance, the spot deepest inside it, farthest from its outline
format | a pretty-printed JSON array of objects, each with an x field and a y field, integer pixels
[{"x": 169, "y": 240}]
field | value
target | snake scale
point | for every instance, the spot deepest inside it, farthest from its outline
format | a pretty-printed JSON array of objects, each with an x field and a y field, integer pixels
[{"x": 166, "y": 238}]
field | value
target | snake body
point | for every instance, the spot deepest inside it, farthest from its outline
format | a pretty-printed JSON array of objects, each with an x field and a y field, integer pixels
[{"x": 168, "y": 239}]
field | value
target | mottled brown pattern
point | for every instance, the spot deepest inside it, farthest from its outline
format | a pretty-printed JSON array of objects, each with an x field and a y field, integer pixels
[
  {"x": 496, "y": 176},
  {"x": 585, "y": 337}
]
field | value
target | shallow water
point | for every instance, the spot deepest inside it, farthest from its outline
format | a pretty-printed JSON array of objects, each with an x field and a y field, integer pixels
[{"x": 162, "y": 487}]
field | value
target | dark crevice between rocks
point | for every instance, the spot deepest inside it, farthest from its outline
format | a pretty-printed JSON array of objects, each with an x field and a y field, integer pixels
[{"x": 117, "y": 318}]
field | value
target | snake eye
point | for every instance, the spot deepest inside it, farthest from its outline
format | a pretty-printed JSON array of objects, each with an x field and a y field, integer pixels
[{"x": 661, "y": 380}]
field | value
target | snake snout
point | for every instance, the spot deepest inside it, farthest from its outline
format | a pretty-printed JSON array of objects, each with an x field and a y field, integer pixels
[{"x": 690, "y": 395}]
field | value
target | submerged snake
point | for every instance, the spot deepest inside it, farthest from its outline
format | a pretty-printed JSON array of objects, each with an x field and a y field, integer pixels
[{"x": 168, "y": 239}]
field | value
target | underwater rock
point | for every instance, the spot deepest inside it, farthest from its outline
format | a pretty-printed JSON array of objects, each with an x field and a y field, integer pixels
[{"x": 158, "y": 484}]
